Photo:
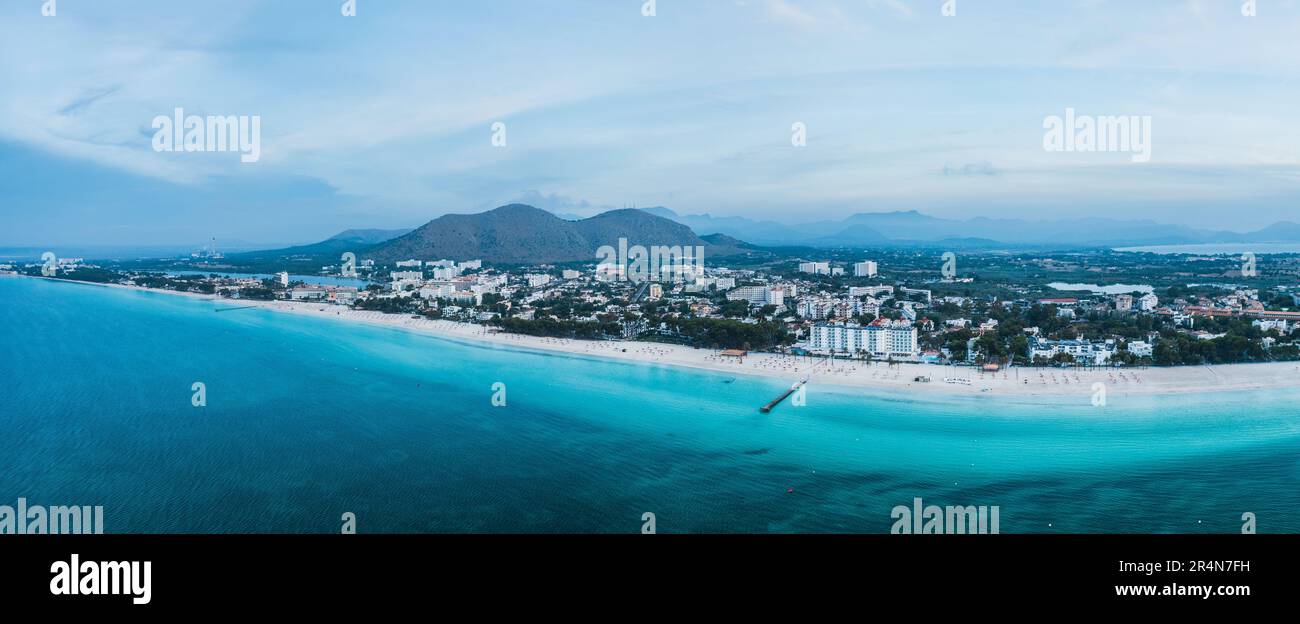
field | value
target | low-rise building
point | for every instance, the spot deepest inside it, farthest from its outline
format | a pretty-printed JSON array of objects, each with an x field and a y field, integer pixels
[
  {"x": 1083, "y": 351},
  {"x": 758, "y": 295},
  {"x": 1266, "y": 324},
  {"x": 1140, "y": 348},
  {"x": 870, "y": 291}
]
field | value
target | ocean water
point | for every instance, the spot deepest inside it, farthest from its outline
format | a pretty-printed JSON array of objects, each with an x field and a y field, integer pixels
[
  {"x": 309, "y": 418},
  {"x": 1096, "y": 289},
  {"x": 1219, "y": 249},
  {"x": 315, "y": 280}
]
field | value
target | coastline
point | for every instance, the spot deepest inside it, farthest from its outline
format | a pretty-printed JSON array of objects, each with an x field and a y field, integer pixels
[{"x": 1013, "y": 382}]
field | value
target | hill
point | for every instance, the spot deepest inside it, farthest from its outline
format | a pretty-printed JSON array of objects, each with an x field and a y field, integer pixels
[{"x": 521, "y": 234}]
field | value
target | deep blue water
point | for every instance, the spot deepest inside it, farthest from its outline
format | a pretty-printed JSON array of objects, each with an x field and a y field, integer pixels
[{"x": 310, "y": 418}]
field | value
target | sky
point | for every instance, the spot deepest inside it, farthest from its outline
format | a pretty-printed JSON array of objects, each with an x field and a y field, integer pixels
[{"x": 386, "y": 119}]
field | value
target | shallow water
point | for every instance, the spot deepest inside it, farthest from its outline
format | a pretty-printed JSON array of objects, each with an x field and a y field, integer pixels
[{"x": 308, "y": 418}]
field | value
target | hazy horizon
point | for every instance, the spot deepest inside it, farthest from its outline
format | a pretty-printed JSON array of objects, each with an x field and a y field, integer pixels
[{"x": 386, "y": 119}]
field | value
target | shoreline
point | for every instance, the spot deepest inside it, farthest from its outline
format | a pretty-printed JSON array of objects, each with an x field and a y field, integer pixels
[{"x": 1015, "y": 381}]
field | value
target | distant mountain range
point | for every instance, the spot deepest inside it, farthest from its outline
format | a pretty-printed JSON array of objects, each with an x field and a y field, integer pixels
[
  {"x": 329, "y": 249},
  {"x": 522, "y": 234},
  {"x": 913, "y": 228}
]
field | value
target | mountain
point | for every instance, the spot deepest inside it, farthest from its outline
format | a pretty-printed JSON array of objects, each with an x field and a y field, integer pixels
[
  {"x": 328, "y": 250},
  {"x": 522, "y": 234},
  {"x": 904, "y": 228},
  {"x": 760, "y": 232},
  {"x": 723, "y": 241},
  {"x": 1280, "y": 232},
  {"x": 368, "y": 237},
  {"x": 857, "y": 234},
  {"x": 660, "y": 211}
]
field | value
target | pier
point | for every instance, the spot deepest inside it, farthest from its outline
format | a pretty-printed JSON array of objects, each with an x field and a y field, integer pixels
[
  {"x": 229, "y": 309},
  {"x": 774, "y": 402}
]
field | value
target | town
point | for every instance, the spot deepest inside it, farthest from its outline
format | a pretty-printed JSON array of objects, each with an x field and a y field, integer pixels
[{"x": 902, "y": 306}]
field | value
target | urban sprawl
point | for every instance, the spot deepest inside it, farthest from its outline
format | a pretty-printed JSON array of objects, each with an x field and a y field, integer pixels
[{"x": 841, "y": 309}]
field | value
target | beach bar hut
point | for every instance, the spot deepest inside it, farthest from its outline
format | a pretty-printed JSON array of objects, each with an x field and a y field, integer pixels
[{"x": 739, "y": 354}]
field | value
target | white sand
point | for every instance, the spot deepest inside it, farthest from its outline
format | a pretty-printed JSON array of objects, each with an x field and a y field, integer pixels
[{"x": 1017, "y": 381}]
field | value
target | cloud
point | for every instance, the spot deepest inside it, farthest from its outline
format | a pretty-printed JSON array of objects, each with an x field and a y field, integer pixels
[
  {"x": 783, "y": 11},
  {"x": 561, "y": 205},
  {"x": 895, "y": 5},
  {"x": 690, "y": 109},
  {"x": 984, "y": 168},
  {"x": 88, "y": 97}
]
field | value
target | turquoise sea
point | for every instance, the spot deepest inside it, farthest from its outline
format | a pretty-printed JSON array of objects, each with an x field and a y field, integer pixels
[{"x": 309, "y": 418}]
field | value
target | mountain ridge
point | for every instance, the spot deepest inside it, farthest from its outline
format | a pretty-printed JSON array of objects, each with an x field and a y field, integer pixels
[
  {"x": 911, "y": 227},
  {"x": 522, "y": 234}
]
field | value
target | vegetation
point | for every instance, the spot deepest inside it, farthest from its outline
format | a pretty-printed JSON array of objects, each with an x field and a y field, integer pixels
[
  {"x": 589, "y": 330},
  {"x": 729, "y": 334}
]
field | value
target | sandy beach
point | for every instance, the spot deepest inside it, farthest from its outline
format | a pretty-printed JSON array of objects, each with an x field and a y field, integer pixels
[{"x": 1015, "y": 381}]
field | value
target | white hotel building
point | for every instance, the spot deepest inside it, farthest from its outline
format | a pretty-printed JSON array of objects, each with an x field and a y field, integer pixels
[
  {"x": 880, "y": 339},
  {"x": 758, "y": 295},
  {"x": 1083, "y": 351},
  {"x": 816, "y": 268},
  {"x": 818, "y": 308}
]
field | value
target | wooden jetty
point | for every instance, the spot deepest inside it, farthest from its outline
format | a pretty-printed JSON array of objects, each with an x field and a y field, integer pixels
[{"x": 774, "y": 402}]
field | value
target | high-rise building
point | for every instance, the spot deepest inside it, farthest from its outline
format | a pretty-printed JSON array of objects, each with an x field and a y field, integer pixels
[
  {"x": 866, "y": 268},
  {"x": 880, "y": 339}
]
